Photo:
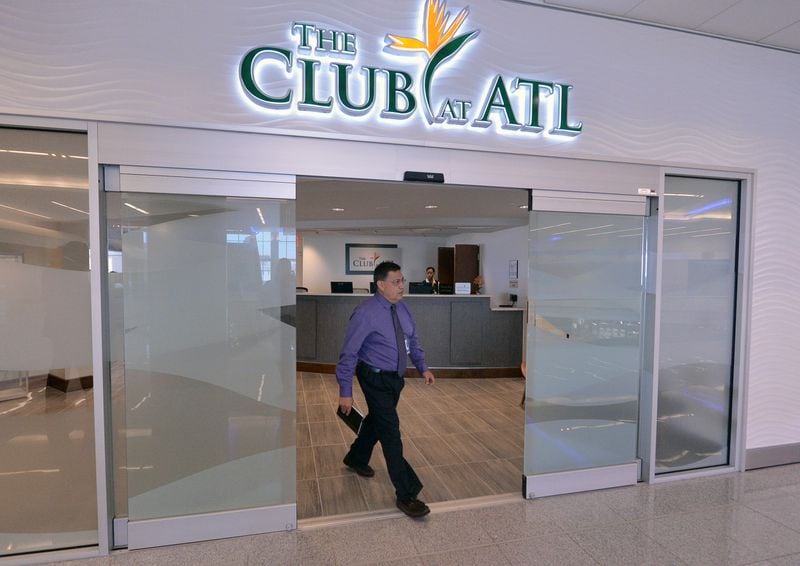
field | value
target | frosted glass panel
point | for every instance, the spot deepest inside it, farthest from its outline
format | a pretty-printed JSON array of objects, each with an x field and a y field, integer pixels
[
  {"x": 206, "y": 288},
  {"x": 583, "y": 356},
  {"x": 697, "y": 323},
  {"x": 48, "y": 492}
]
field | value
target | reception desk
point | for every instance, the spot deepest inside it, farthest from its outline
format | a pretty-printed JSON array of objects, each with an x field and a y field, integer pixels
[{"x": 461, "y": 333}]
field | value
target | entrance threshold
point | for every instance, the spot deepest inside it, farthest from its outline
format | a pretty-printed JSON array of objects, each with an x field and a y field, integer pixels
[{"x": 380, "y": 514}]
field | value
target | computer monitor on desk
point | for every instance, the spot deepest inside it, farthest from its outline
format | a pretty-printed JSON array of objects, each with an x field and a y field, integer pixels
[
  {"x": 342, "y": 287},
  {"x": 419, "y": 288},
  {"x": 446, "y": 288}
]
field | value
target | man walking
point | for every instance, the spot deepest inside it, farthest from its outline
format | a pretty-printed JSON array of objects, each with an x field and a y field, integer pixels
[{"x": 380, "y": 337}]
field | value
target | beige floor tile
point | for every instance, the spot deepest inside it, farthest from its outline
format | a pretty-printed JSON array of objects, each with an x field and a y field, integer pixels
[
  {"x": 414, "y": 425},
  {"x": 306, "y": 467},
  {"x": 341, "y": 495},
  {"x": 303, "y": 435},
  {"x": 308, "y": 502},
  {"x": 329, "y": 460},
  {"x": 443, "y": 424},
  {"x": 468, "y": 448},
  {"x": 413, "y": 455},
  {"x": 436, "y": 451},
  {"x": 468, "y": 422},
  {"x": 302, "y": 413},
  {"x": 316, "y": 397},
  {"x": 462, "y": 481},
  {"x": 496, "y": 419},
  {"x": 499, "y": 444},
  {"x": 321, "y": 412},
  {"x": 324, "y": 433},
  {"x": 434, "y": 489},
  {"x": 378, "y": 491},
  {"x": 500, "y": 475}
]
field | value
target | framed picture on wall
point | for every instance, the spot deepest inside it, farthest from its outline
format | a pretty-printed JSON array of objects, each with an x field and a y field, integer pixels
[{"x": 361, "y": 259}]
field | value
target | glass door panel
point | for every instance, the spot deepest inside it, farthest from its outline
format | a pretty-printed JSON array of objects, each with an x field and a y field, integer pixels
[
  {"x": 206, "y": 350},
  {"x": 48, "y": 492},
  {"x": 697, "y": 323},
  {"x": 584, "y": 354}
]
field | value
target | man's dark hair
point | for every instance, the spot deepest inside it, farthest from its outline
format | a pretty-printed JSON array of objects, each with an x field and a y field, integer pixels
[
  {"x": 430, "y": 267},
  {"x": 382, "y": 271}
]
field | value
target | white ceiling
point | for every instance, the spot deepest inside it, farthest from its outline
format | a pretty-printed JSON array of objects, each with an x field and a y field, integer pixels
[
  {"x": 406, "y": 209},
  {"x": 773, "y": 23}
]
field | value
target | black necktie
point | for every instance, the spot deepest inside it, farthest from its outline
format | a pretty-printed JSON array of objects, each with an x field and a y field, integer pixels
[{"x": 401, "y": 341}]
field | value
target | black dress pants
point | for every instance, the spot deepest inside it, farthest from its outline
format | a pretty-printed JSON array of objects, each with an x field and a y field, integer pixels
[{"x": 382, "y": 392}]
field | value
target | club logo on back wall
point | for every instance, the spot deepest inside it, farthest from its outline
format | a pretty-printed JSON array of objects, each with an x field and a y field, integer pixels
[{"x": 319, "y": 76}]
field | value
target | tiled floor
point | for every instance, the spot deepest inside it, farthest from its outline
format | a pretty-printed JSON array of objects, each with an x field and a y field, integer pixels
[
  {"x": 464, "y": 438},
  {"x": 751, "y": 518}
]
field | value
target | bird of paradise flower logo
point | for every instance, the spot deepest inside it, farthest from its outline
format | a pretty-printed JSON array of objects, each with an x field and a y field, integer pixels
[{"x": 440, "y": 43}]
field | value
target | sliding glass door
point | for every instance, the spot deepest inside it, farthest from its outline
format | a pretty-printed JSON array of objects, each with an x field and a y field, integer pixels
[
  {"x": 584, "y": 352},
  {"x": 201, "y": 292}
]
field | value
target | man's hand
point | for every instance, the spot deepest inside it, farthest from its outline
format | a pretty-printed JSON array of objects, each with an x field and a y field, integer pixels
[
  {"x": 345, "y": 404},
  {"x": 429, "y": 379}
]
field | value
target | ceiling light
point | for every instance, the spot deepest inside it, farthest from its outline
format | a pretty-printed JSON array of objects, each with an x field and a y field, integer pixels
[
  {"x": 431, "y": 206},
  {"x": 69, "y": 207},
  {"x": 337, "y": 209},
  {"x": 525, "y": 206},
  {"x": 136, "y": 208},
  {"x": 25, "y": 211},
  {"x": 261, "y": 216}
]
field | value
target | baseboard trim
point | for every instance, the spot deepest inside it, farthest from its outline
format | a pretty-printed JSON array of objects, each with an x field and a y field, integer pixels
[
  {"x": 483, "y": 373},
  {"x": 768, "y": 456},
  {"x": 67, "y": 385}
]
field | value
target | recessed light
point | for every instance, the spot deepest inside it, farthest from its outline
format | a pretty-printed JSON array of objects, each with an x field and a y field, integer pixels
[
  {"x": 337, "y": 209},
  {"x": 525, "y": 206},
  {"x": 431, "y": 206}
]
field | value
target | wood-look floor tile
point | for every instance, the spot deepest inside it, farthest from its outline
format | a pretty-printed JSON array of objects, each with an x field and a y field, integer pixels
[
  {"x": 316, "y": 397},
  {"x": 303, "y": 435},
  {"x": 324, "y": 433},
  {"x": 341, "y": 495},
  {"x": 468, "y": 448},
  {"x": 306, "y": 469},
  {"x": 518, "y": 463},
  {"x": 500, "y": 475},
  {"x": 468, "y": 422},
  {"x": 436, "y": 451},
  {"x": 462, "y": 481},
  {"x": 495, "y": 419},
  {"x": 329, "y": 460},
  {"x": 434, "y": 488},
  {"x": 443, "y": 424},
  {"x": 308, "y": 502},
  {"x": 302, "y": 413},
  {"x": 378, "y": 491},
  {"x": 427, "y": 406},
  {"x": 414, "y": 425},
  {"x": 497, "y": 442},
  {"x": 321, "y": 412},
  {"x": 412, "y": 454}
]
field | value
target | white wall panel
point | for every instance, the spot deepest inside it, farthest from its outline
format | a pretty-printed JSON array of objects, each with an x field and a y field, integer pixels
[{"x": 643, "y": 94}]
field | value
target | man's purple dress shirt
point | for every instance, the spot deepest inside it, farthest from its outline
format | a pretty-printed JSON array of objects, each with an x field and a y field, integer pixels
[{"x": 371, "y": 339}]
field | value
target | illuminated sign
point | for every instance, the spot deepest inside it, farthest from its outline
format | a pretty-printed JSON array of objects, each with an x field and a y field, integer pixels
[{"x": 268, "y": 73}]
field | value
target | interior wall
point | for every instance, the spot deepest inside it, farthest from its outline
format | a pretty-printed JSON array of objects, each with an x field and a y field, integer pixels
[{"x": 496, "y": 250}]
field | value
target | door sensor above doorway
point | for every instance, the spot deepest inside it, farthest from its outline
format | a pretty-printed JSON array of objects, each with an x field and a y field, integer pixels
[{"x": 423, "y": 177}]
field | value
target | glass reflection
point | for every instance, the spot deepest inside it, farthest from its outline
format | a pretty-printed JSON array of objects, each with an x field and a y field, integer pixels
[
  {"x": 697, "y": 323},
  {"x": 202, "y": 300},
  {"x": 583, "y": 360},
  {"x": 47, "y": 473}
]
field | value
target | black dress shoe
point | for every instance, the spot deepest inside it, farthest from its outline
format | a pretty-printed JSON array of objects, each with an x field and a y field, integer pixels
[
  {"x": 362, "y": 470},
  {"x": 413, "y": 507}
]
